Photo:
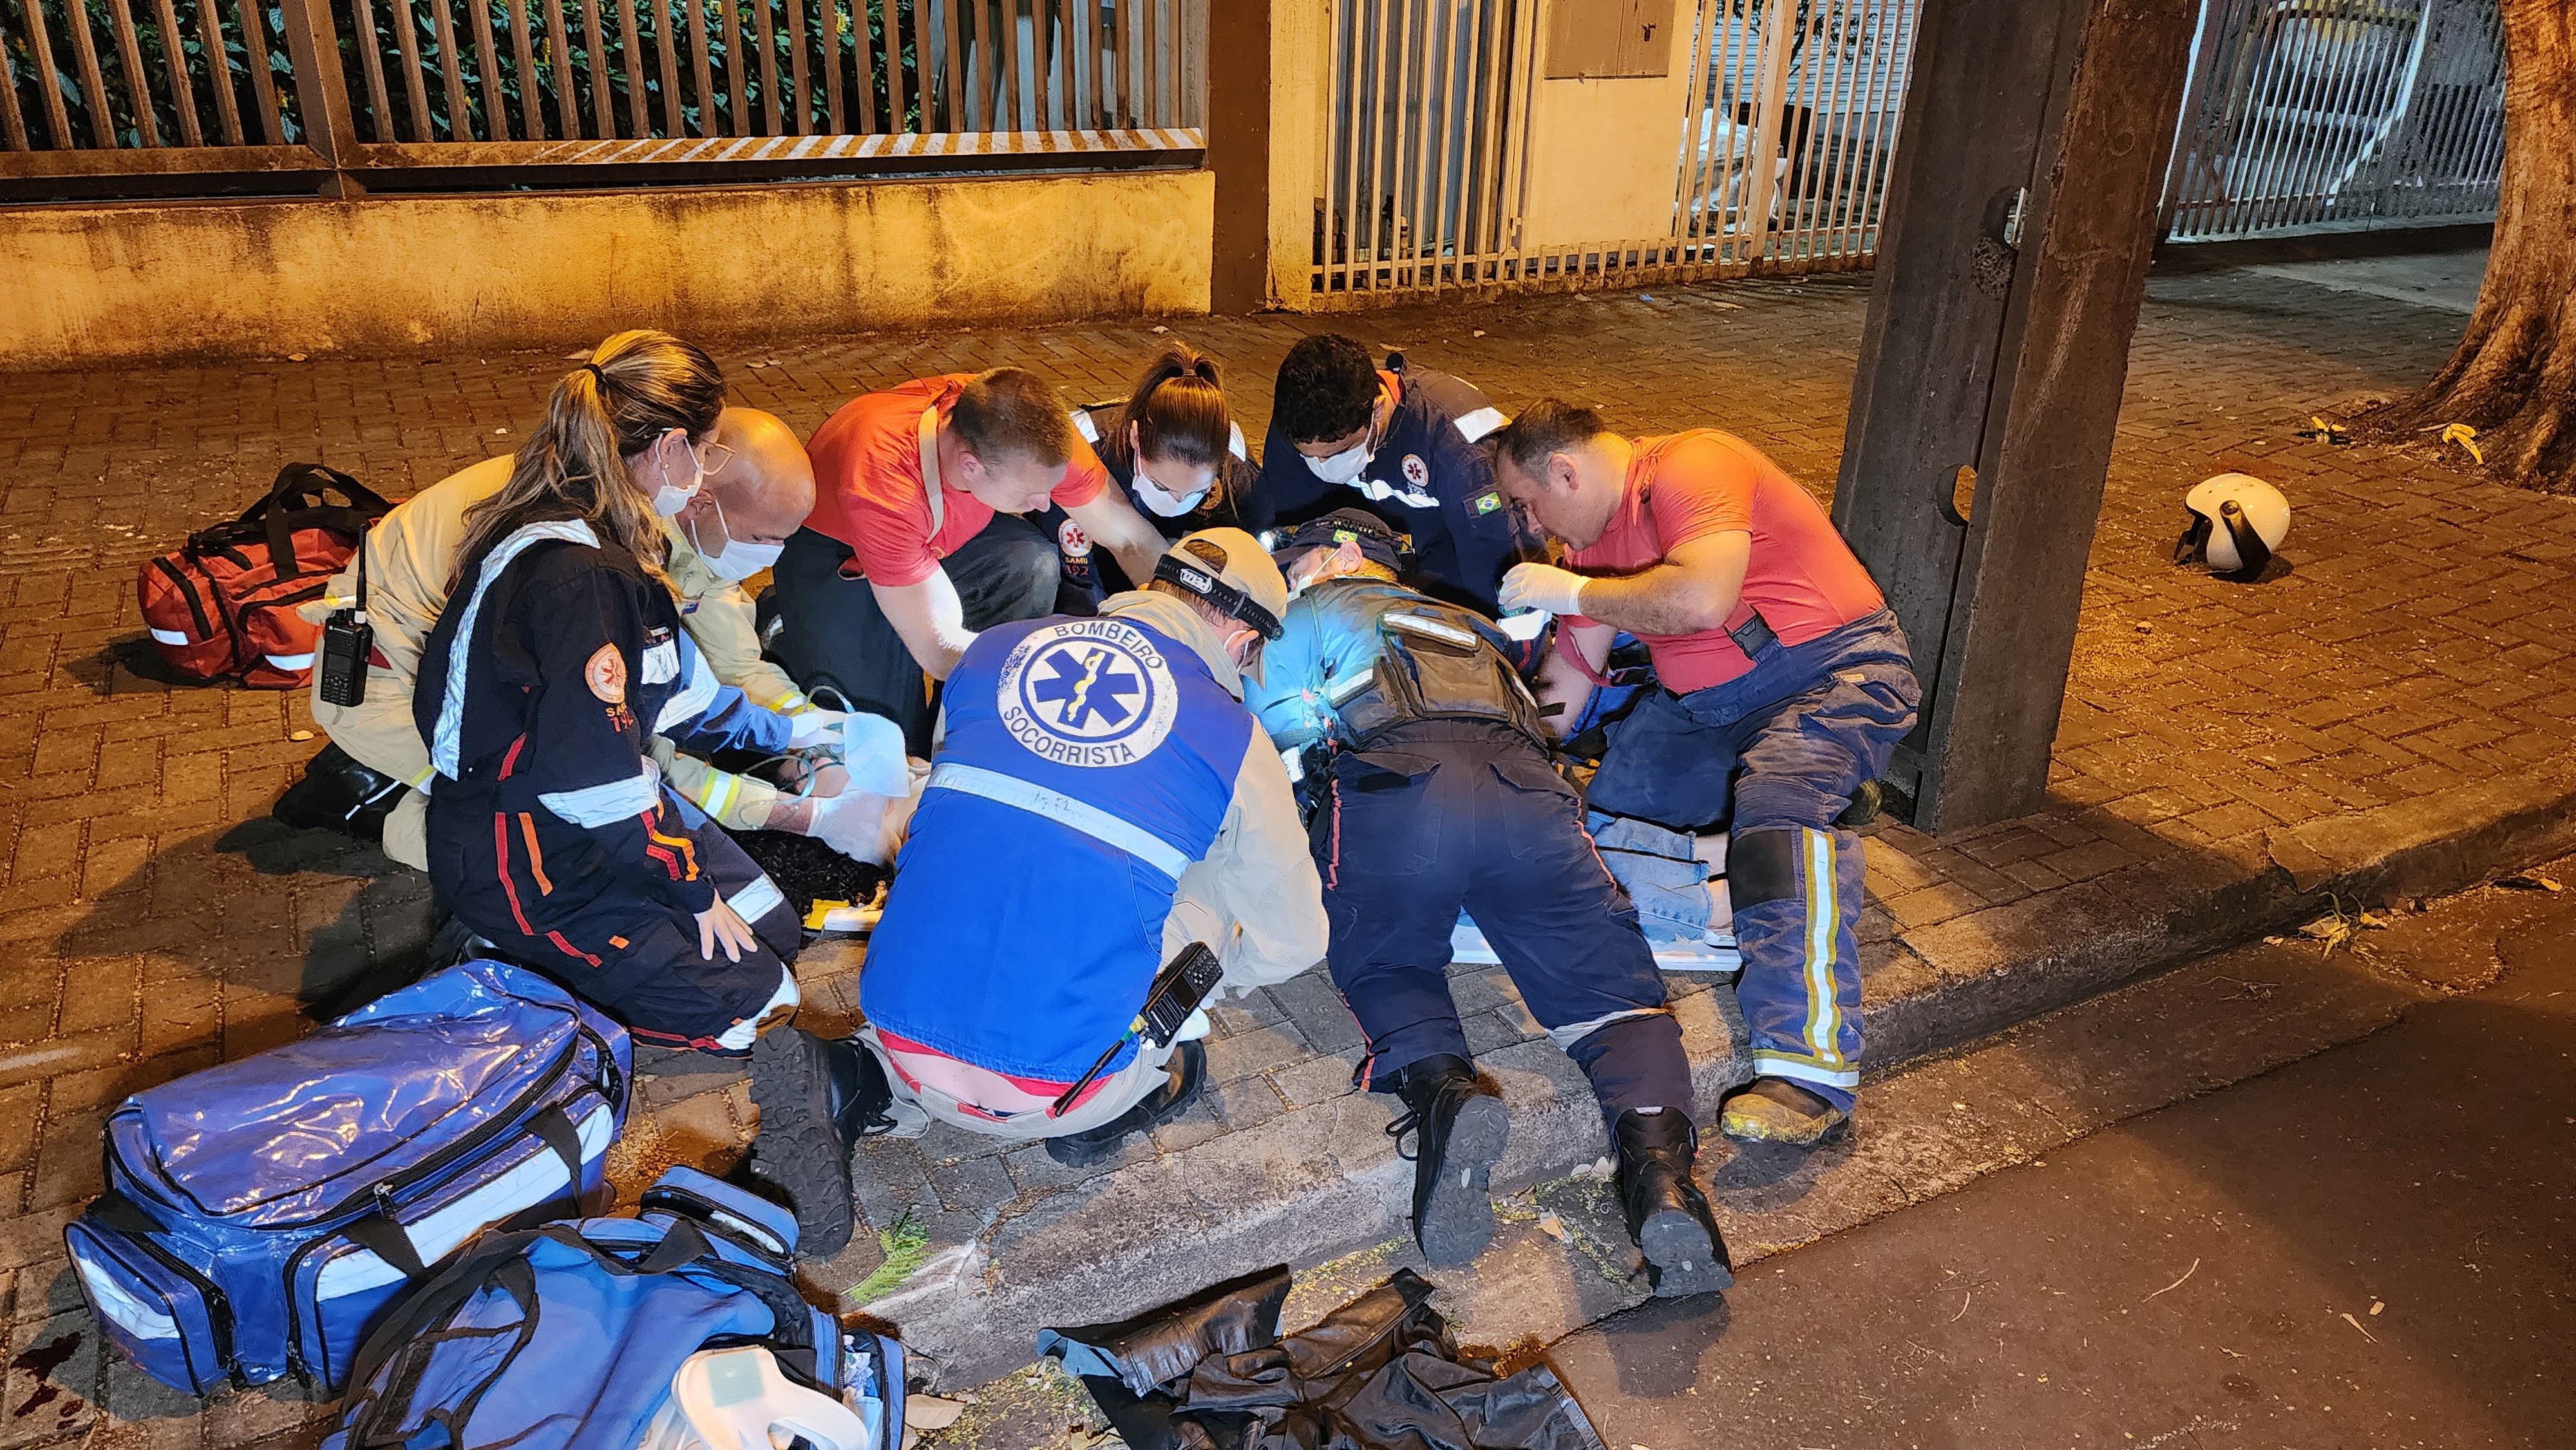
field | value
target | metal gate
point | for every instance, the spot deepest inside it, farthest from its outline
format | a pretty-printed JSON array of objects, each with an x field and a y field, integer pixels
[
  {"x": 1814, "y": 86},
  {"x": 1421, "y": 174},
  {"x": 2319, "y": 115},
  {"x": 1426, "y": 169}
]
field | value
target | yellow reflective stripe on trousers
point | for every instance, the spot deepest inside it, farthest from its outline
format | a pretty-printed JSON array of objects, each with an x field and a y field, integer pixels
[{"x": 1824, "y": 1009}]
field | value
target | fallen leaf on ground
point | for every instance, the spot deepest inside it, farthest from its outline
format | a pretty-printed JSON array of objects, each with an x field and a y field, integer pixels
[
  {"x": 931, "y": 1412},
  {"x": 2466, "y": 437},
  {"x": 1552, "y": 1226},
  {"x": 299, "y": 735},
  {"x": 2530, "y": 881},
  {"x": 2375, "y": 1307},
  {"x": 2355, "y": 1323}
]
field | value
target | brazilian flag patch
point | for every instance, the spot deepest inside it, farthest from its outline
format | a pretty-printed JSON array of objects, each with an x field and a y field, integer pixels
[{"x": 1488, "y": 502}]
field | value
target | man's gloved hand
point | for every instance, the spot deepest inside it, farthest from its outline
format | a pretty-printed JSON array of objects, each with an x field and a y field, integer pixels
[
  {"x": 815, "y": 729},
  {"x": 854, "y": 824},
  {"x": 1542, "y": 587}
]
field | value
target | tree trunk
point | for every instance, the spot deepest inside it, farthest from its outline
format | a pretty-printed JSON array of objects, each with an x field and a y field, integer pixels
[{"x": 2514, "y": 375}]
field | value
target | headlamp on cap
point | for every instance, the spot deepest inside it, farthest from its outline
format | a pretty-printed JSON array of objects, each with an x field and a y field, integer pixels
[{"x": 1206, "y": 582}]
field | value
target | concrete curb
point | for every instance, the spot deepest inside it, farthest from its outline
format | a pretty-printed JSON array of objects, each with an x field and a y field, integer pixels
[{"x": 1323, "y": 1180}]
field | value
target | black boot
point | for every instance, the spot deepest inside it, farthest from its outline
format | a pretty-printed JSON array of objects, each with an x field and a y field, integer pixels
[
  {"x": 863, "y": 1101},
  {"x": 1188, "y": 1075},
  {"x": 802, "y": 1150},
  {"x": 1458, "y": 1129},
  {"x": 1667, "y": 1214}
]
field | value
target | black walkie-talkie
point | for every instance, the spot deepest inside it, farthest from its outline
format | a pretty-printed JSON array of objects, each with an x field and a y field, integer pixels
[
  {"x": 1177, "y": 992},
  {"x": 347, "y": 640}
]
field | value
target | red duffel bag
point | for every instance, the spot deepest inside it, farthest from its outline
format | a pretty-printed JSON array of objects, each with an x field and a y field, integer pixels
[{"x": 223, "y": 604}]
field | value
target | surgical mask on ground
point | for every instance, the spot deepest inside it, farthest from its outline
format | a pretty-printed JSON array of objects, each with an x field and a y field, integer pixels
[
  {"x": 1344, "y": 466},
  {"x": 1162, "y": 502},
  {"x": 740, "y": 560},
  {"x": 670, "y": 498}
]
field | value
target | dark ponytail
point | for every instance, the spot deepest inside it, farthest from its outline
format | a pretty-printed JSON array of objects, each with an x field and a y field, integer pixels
[{"x": 1179, "y": 412}]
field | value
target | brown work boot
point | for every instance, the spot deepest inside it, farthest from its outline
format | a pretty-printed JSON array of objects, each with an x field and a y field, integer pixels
[{"x": 1776, "y": 1110}]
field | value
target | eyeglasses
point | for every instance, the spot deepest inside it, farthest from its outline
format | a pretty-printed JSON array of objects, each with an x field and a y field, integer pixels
[{"x": 717, "y": 457}]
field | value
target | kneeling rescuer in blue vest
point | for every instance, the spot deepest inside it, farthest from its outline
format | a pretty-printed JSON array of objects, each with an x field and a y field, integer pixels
[{"x": 1099, "y": 799}]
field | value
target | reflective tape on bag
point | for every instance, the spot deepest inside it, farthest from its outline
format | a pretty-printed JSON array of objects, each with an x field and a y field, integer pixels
[
  {"x": 289, "y": 662},
  {"x": 172, "y": 636}
]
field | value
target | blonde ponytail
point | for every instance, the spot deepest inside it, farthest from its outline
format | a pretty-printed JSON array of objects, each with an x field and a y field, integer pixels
[{"x": 636, "y": 388}]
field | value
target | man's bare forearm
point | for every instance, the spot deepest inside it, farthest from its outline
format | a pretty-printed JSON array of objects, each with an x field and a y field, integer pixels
[{"x": 1663, "y": 600}]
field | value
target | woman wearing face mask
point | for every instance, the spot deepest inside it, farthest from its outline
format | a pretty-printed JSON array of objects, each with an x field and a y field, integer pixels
[
  {"x": 550, "y": 831},
  {"x": 1175, "y": 448}
]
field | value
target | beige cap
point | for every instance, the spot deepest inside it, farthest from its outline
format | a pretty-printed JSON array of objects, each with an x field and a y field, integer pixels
[{"x": 1229, "y": 569}]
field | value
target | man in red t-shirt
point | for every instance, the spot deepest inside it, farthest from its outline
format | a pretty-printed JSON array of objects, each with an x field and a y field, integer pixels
[
  {"x": 1785, "y": 683},
  {"x": 915, "y": 544}
]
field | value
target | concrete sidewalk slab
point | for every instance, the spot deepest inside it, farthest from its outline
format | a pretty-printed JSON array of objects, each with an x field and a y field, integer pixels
[
  {"x": 1319, "y": 1181},
  {"x": 2221, "y": 746}
]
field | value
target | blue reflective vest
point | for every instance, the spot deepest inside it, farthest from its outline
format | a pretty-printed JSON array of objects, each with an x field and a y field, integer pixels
[{"x": 1087, "y": 762}]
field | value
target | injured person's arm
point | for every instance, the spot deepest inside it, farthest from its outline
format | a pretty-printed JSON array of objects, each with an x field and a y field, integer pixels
[{"x": 1255, "y": 898}]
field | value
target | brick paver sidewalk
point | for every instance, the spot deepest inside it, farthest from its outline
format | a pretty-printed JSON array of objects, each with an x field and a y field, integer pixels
[{"x": 156, "y": 922}]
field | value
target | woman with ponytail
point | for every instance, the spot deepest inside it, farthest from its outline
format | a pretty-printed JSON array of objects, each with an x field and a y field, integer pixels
[
  {"x": 551, "y": 832},
  {"x": 1174, "y": 447}
]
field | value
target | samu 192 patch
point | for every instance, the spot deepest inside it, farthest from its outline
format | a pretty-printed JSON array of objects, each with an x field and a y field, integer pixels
[
  {"x": 1488, "y": 501},
  {"x": 605, "y": 673}
]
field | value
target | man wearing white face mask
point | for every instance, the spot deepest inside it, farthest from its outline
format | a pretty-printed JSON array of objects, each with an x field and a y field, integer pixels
[
  {"x": 1402, "y": 443},
  {"x": 728, "y": 504},
  {"x": 1175, "y": 449}
]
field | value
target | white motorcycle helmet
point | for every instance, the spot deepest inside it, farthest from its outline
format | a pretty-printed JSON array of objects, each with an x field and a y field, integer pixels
[{"x": 2237, "y": 520}]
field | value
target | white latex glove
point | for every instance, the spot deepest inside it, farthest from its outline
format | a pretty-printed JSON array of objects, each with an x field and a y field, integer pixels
[
  {"x": 812, "y": 728},
  {"x": 1542, "y": 587},
  {"x": 854, "y": 824}
]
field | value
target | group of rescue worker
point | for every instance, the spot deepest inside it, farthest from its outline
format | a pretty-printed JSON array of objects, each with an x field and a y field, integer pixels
[{"x": 1331, "y": 704}]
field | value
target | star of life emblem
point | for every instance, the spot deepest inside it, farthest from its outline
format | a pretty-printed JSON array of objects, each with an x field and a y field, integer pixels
[{"x": 1088, "y": 692}]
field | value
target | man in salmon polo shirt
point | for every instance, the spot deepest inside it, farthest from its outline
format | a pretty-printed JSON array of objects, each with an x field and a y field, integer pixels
[
  {"x": 1785, "y": 685},
  {"x": 915, "y": 544}
]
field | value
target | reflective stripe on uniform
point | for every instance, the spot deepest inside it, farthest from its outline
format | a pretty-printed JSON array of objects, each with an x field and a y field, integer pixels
[
  {"x": 597, "y": 805},
  {"x": 443, "y": 747},
  {"x": 1824, "y": 1011},
  {"x": 738, "y": 1037},
  {"x": 1775, "y": 1064},
  {"x": 693, "y": 697},
  {"x": 662, "y": 662},
  {"x": 1090, "y": 820},
  {"x": 757, "y": 900},
  {"x": 721, "y": 790}
]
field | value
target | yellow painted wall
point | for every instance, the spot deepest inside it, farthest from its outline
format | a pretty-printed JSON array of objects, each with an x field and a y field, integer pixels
[
  {"x": 92, "y": 285},
  {"x": 1605, "y": 154},
  {"x": 1301, "y": 57}
]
